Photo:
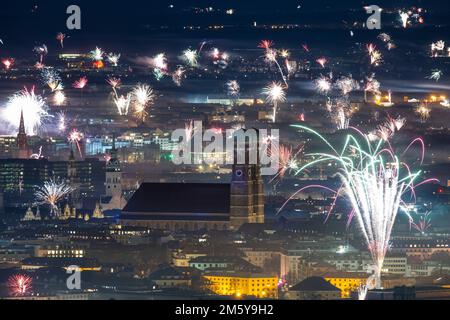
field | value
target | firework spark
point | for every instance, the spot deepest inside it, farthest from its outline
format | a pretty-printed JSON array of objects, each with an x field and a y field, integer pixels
[
  {"x": 233, "y": 89},
  {"x": 123, "y": 104},
  {"x": 41, "y": 51},
  {"x": 59, "y": 98},
  {"x": 33, "y": 106},
  {"x": 20, "y": 285},
  {"x": 374, "y": 182},
  {"x": 322, "y": 62},
  {"x": 190, "y": 57},
  {"x": 52, "y": 79},
  {"x": 436, "y": 75},
  {"x": 8, "y": 63},
  {"x": 51, "y": 193},
  {"x": 97, "y": 54},
  {"x": 114, "y": 58},
  {"x": 404, "y": 17},
  {"x": 274, "y": 95},
  {"x": 74, "y": 138},
  {"x": 60, "y": 37},
  {"x": 423, "y": 224},
  {"x": 143, "y": 97},
  {"x": 80, "y": 83},
  {"x": 323, "y": 85},
  {"x": 178, "y": 76}
]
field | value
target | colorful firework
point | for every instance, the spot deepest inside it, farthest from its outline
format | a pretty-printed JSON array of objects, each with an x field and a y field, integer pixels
[
  {"x": 114, "y": 58},
  {"x": 41, "y": 51},
  {"x": 34, "y": 109},
  {"x": 52, "y": 78},
  {"x": 143, "y": 97},
  {"x": 436, "y": 75},
  {"x": 374, "y": 55},
  {"x": 97, "y": 54},
  {"x": 190, "y": 57},
  {"x": 62, "y": 122},
  {"x": 347, "y": 85},
  {"x": 80, "y": 83},
  {"x": 8, "y": 63},
  {"x": 323, "y": 85},
  {"x": 115, "y": 83},
  {"x": 322, "y": 62},
  {"x": 288, "y": 161},
  {"x": 123, "y": 104},
  {"x": 59, "y": 98},
  {"x": 20, "y": 285},
  {"x": 374, "y": 180},
  {"x": 424, "y": 223},
  {"x": 274, "y": 95},
  {"x": 178, "y": 76},
  {"x": 233, "y": 89},
  {"x": 271, "y": 57},
  {"x": 372, "y": 86},
  {"x": 404, "y": 17},
  {"x": 52, "y": 192},
  {"x": 74, "y": 138}
]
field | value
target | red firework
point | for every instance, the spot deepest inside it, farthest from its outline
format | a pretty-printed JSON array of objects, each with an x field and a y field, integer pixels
[{"x": 20, "y": 285}]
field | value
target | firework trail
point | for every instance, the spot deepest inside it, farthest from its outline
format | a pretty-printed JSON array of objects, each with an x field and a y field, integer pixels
[
  {"x": 123, "y": 104},
  {"x": 115, "y": 83},
  {"x": 288, "y": 161},
  {"x": 178, "y": 76},
  {"x": 404, "y": 17},
  {"x": 34, "y": 109},
  {"x": 8, "y": 63},
  {"x": 374, "y": 180},
  {"x": 62, "y": 122},
  {"x": 80, "y": 83},
  {"x": 20, "y": 285},
  {"x": 233, "y": 89},
  {"x": 274, "y": 95},
  {"x": 60, "y": 37},
  {"x": 114, "y": 58},
  {"x": 271, "y": 57},
  {"x": 375, "y": 56},
  {"x": 143, "y": 97},
  {"x": 75, "y": 138},
  {"x": 424, "y": 223},
  {"x": 322, "y": 62},
  {"x": 372, "y": 86},
  {"x": 41, "y": 51},
  {"x": 51, "y": 193}
]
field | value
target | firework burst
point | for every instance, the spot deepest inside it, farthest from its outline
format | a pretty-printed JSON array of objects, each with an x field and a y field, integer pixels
[
  {"x": 41, "y": 51},
  {"x": 274, "y": 95},
  {"x": 233, "y": 89},
  {"x": 143, "y": 97},
  {"x": 123, "y": 104},
  {"x": 74, "y": 138},
  {"x": 52, "y": 192},
  {"x": 97, "y": 54},
  {"x": 178, "y": 76},
  {"x": 423, "y": 112},
  {"x": 34, "y": 109},
  {"x": 114, "y": 58},
  {"x": 190, "y": 57},
  {"x": 80, "y": 83},
  {"x": 20, "y": 285},
  {"x": 374, "y": 180}
]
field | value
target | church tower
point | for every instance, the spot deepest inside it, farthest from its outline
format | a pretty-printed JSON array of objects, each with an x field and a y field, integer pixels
[
  {"x": 247, "y": 189},
  {"x": 113, "y": 174},
  {"x": 23, "y": 151}
]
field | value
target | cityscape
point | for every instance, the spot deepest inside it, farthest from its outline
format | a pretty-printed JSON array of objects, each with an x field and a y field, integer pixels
[{"x": 225, "y": 150}]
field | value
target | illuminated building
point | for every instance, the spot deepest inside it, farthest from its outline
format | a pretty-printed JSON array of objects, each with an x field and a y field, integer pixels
[
  {"x": 23, "y": 151},
  {"x": 243, "y": 284},
  {"x": 347, "y": 282}
]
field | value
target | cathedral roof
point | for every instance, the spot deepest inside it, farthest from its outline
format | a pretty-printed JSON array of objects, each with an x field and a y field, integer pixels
[{"x": 199, "y": 198}]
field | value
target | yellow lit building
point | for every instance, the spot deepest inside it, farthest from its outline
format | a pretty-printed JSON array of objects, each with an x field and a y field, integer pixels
[
  {"x": 243, "y": 284},
  {"x": 347, "y": 282}
]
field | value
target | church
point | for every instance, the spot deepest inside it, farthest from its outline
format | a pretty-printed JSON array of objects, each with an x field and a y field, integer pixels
[{"x": 199, "y": 206}]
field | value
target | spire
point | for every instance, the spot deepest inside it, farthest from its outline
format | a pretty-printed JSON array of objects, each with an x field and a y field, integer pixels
[{"x": 22, "y": 123}]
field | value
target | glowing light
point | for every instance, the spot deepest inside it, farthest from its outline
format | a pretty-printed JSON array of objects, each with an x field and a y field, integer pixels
[
  {"x": 60, "y": 37},
  {"x": 34, "y": 109},
  {"x": 190, "y": 57},
  {"x": 20, "y": 285},
  {"x": 80, "y": 83},
  {"x": 51, "y": 193},
  {"x": 114, "y": 58},
  {"x": 274, "y": 95}
]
